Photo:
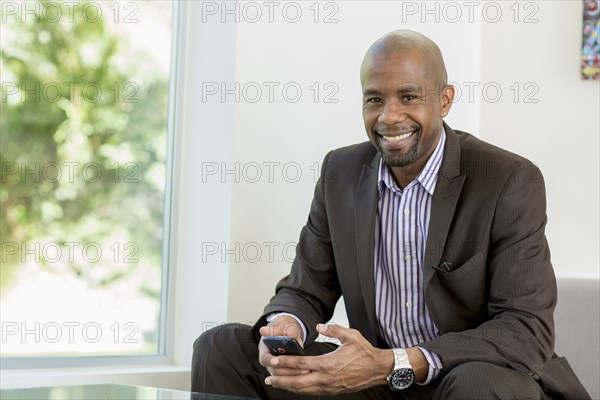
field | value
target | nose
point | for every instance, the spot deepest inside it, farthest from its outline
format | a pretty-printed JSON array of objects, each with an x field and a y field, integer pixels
[{"x": 392, "y": 113}]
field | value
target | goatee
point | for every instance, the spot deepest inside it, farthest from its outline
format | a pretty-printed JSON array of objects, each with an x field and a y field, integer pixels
[{"x": 398, "y": 159}]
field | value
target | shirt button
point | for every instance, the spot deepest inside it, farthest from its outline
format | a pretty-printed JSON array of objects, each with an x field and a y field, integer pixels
[
  {"x": 408, "y": 304},
  {"x": 407, "y": 257},
  {"x": 406, "y": 211}
]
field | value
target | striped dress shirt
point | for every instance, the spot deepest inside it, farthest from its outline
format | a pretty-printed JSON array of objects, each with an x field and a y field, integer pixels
[{"x": 400, "y": 235}]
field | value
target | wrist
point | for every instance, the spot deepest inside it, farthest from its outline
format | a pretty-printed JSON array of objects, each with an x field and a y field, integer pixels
[
  {"x": 386, "y": 366},
  {"x": 419, "y": 363}
]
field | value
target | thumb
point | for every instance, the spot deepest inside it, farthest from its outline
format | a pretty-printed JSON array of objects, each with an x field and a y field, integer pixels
[
  {"x": 264, "y": 331},
  {"x": 339, "y": 332}
]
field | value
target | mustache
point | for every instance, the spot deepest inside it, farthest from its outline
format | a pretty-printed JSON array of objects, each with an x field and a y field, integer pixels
[{"x": 386, "y": 130}]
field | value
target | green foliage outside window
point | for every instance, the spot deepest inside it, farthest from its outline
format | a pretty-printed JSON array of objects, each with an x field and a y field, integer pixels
[{"x": 76, "y": 102}]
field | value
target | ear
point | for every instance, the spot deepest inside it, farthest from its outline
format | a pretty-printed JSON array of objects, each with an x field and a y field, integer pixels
[{"x": 447, "y": 99}]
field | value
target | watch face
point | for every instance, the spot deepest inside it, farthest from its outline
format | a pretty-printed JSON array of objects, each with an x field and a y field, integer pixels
[{"x": 402, "y": 378}]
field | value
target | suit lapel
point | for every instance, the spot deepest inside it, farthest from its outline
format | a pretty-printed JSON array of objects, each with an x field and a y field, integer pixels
[
  {"x": 365, "y": 214},
  {"x": 445, "y": 197}
]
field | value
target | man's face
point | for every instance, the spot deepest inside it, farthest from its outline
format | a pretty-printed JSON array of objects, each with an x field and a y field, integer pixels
[{"x": 403, "y": 105}]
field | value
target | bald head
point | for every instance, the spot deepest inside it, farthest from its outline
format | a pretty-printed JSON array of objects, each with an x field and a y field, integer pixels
[{"x": 404, "y": 41}]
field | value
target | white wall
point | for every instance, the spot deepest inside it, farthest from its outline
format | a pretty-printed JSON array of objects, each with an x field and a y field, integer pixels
[
  {"x": 480, "y": 46},
  {"x": 283, "y": 132},
  {"x": 559, "y": 133}
]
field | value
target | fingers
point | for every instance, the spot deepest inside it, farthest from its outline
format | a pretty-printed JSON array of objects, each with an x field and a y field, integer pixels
[
  {"x": 280, "y": 326},
  {"x": 272, "y": 363},
  {"x": 283, "y": 326},
  {"x": 295, "y": 370},
  {"x": 337, "y": 332},
  {"x": 280, "y": 330},
  {"x": 266, "y": 331},
  {"x": 325, "y": 362},
  {"x": 288, "y": 372},
  {"x": 308, "y": 384},
  {"x": 264, "y": 355},
  {"x": 352, "y": 366},
  {"x": 300, "y": 364}
]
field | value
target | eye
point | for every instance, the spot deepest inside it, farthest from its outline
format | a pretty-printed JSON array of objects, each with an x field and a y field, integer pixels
[
  {"x": 409, "y": 97},
  {"x": 372, "y": 100}
]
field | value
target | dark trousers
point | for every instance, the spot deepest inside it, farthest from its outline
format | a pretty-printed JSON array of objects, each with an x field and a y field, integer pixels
[{"x": 225, "y": 361}]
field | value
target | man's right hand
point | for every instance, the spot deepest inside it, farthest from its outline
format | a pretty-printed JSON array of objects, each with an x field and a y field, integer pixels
[{"x": 283, "y": 325}]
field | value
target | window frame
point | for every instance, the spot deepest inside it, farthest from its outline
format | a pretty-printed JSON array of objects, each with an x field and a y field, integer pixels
[
  {"x": 9, "y": 363},
  {"x": 196, "y": 293}
]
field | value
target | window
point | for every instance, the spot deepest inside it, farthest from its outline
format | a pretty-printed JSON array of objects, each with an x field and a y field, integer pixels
[{"x": 84, "y": 153}]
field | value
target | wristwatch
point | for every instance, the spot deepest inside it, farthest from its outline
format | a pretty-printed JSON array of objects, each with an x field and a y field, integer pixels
[{"x": 402, "y": 376}]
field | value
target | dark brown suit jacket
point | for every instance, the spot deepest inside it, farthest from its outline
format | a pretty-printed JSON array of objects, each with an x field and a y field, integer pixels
[{"x": 488, "y": 217}]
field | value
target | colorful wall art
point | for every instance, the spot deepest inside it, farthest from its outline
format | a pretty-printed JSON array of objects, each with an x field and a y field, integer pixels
[{"x": 590, "y": 49}]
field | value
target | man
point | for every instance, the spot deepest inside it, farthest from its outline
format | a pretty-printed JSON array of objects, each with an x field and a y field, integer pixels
[{"x": 436, "y": 241}]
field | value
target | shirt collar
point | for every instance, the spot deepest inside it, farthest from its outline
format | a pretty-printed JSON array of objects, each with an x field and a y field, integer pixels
[{"x": 428, "y": 176}]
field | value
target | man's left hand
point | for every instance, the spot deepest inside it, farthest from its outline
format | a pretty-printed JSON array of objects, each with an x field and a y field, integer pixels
[{"x": 355, "y": 365}]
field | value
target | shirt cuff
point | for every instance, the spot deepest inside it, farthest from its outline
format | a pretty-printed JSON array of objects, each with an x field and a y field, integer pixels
[
  {"x": 275, "y": 315},
  {"x": 435, "y": 365}
]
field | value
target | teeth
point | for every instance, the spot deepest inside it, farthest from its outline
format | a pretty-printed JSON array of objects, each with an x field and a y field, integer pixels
[{"x": 396, "y": 138}]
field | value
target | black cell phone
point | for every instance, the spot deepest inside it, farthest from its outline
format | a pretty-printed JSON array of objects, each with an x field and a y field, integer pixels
[{"x": 282, "y": 345}]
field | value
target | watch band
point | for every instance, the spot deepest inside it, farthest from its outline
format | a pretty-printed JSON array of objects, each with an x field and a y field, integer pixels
[{"x": 401, "y": 359}]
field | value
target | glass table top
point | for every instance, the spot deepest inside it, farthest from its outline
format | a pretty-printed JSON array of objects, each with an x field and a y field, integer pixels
[{"x": 106, "y": 392}]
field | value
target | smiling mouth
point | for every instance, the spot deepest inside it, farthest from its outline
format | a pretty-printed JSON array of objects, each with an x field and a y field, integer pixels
[{"x": 398, "y": 138}]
